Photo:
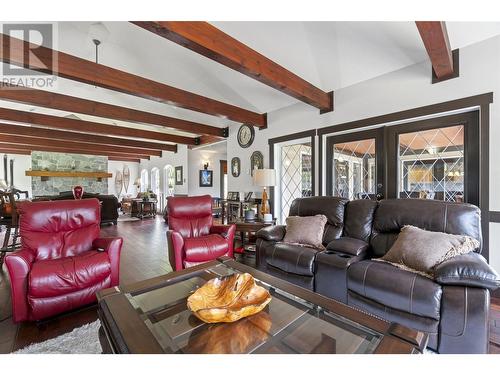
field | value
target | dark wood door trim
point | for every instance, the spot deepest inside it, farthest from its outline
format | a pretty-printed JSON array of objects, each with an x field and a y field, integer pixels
[
  {"x": 414, "y": 113},
  {"x": 494, "y": 217},
  {"x": 221, "y": 172}
]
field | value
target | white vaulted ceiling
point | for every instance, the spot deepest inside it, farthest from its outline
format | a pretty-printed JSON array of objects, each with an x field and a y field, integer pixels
[{"x": 330, "y": 55}]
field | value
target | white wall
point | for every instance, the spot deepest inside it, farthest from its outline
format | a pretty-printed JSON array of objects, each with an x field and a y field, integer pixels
[
  {"x": 176, "y": 159},
  {"x": 22, "y": 163},
  {"x": 115, "y": 166},
  {"x": 396, "y": 91},
  {"x": 196, "y": 159}
]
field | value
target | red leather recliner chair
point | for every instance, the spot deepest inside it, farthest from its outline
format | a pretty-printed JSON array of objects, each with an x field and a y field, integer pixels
[
  {"x": 192, "y": 237},
  {"x": 62, "y": 262}
]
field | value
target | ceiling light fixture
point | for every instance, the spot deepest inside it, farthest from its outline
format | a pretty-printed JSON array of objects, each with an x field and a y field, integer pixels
[{"x": 98, "y": 33}]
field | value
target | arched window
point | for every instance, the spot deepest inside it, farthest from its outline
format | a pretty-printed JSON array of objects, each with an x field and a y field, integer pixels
[
  {"x": 144, "y": 180},
  {"x": 155, "y": 181},
  {"x": 168, "y": 180}
]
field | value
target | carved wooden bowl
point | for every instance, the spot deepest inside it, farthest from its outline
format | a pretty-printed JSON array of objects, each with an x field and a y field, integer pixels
[{"x": 228, "y": 299}]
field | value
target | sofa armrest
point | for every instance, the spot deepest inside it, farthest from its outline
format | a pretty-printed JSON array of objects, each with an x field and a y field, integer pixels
[
  {"x": 19, "y": 266},
  {"x": 223, "y": 230},
  {"x": 113, "y": 246},
  {"x": 467, "y": 270},
  {"x": 331, "y": 273},
  {"x": 347, "y": 245},
  {"x": 175, "y": 243},
  {"x": 273, "y": 233}
]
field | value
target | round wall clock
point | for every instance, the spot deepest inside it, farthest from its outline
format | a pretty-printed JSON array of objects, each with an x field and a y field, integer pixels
[
  {"x": 256, "y": 161},
  {"x": 235, "y": 166},
  {"x": 246, "y": 135}
]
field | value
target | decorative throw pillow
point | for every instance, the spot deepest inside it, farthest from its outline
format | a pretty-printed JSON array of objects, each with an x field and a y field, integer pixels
[
  {"x": 305, "y": 230},
  {"x": 421, "y": 250}
]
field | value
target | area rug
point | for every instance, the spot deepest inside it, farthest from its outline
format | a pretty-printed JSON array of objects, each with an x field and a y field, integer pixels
[{"x": 82, "y": 340}]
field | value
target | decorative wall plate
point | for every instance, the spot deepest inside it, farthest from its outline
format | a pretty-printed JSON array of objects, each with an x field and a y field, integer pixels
[
  {"x": 118, "y": 183},
  {"x": 126, "y": 177},
  {"x": 256, "y": 161},
  {"x": 246, "y": 135},
  {"x": 235, "y": 166}
]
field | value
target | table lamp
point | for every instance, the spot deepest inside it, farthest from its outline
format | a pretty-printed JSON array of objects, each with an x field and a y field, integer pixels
[{"x": 264, "y": 178}]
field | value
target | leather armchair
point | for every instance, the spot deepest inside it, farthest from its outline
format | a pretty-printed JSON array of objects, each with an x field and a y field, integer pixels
[
  {"x": 192, "y": 238},
  {"x": 62, "y": 262}
]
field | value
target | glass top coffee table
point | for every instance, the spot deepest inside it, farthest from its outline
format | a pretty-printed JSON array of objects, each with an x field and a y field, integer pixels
[{"x": 152, "y": 317}]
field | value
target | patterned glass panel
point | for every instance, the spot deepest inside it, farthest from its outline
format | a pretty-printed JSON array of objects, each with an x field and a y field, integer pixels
[
  {"x": 296, "y": 175},
  {"x": 354, "y": 169},
  {"x": 431, "y": 164}
]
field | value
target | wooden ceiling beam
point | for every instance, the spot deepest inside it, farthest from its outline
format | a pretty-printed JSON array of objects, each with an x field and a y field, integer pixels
[
  {"x": 117, "y": 158},
  {"x": 31, "y": 131},
  {"x": 68, "y": 150},
  {"x": 14, "y": 50},
  {"x": 437, "y": 44},
  {"x": 77, "y": 146},
  {"x": 73, "y": 104},
  {"x": 14, "y": 151},
  {"x": 209, "y": 41},
  {"x": 64, "y": 123}
]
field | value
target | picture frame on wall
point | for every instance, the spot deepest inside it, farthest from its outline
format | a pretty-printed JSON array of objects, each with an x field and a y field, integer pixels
[
  {"x": 206, "y": 178},
  {"x": 179, "y": 175}
]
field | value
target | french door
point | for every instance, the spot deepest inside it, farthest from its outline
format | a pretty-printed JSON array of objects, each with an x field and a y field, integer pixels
[
  {"x": 355, "y": 165},
  {"x": 435, "y": 158},
  {"x": 294, "y": 164}
]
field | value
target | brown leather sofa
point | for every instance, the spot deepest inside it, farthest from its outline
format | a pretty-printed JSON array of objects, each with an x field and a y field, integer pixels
[{"x": 453, "y": 308}]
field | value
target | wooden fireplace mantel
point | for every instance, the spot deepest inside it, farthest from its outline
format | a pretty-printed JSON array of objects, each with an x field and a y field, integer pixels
[{"x": 98, "y": 175}]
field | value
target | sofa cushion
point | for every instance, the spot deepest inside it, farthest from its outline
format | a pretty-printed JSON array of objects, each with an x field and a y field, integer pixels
[
  {"x": 56, "y": 277},
  {"x": 423, "y": 250},
  {"x": 395, "y": 288},
  {"x": 332, "y": 207},
  {"x": 306, "y": 230},
  {"x": 292, "y": 258},
  {"x": 205, "y": 248},
  {"x": 448, "y": 217}
]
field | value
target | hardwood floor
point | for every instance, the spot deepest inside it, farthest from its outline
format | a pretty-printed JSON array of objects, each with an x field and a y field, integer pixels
[{"x": 144, "y": 255}]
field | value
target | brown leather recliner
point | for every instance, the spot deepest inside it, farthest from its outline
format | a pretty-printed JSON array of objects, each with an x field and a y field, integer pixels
[{"x": 453, "y": 308}]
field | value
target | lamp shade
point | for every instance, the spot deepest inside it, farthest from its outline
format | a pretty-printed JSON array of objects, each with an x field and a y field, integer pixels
[{"x": 264, "y": 177}]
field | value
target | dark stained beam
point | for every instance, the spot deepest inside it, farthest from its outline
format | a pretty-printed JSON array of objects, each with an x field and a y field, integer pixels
[
  {"x": 85, "y": 71},
  {"x": 68, "y": 150},
  {"x": 209, "y": 41},
  {"x": 131, "y": 160},
  {"x": 31, "y": 131},
  {"x": 64, "y": 123},
  {"x": 437, "y": 44},
  {"x": 77, "y": 146},
  {"x": 73, "y": 104},
  {"x": 14, "y": 151}
]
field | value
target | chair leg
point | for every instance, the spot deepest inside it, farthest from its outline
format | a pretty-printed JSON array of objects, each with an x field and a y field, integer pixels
[
  {"x": 2, "y": 258},
  {"x": 15, "y": 236},
  {"x": 6, "y": 238}
]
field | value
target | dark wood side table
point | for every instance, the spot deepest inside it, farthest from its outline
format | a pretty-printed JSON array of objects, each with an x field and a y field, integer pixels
[
  {"x": 146, "y": 209},
  {"x": 244, "y": 227}
]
